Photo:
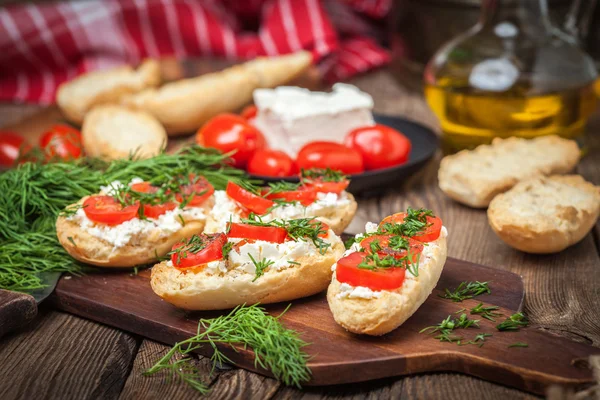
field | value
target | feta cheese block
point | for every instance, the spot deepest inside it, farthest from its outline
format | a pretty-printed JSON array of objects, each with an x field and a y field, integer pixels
[{"x": 291, "y": 117}]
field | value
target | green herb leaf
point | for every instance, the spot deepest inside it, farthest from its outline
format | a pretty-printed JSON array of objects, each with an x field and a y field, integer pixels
[
  {"x": 488, "y": 313},
  {"x": 467, "y": 290},
  {"x": 518, "y": 344},
  {"x": 513, "y": 323},
  {"x": 260, "y": 265}
]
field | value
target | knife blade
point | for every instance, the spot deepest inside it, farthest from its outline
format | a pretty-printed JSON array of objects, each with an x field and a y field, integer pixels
[{"x": 18, "y": 309}]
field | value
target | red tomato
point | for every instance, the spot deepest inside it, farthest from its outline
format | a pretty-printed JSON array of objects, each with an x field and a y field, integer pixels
[
  {"x": 199, "y": 187},
  {"x": 11, "y": 147},
  {"x": 227, "y": 133},
  {"x": 383, "y": 242},
  {"x": 380, "y": 146},
  {"x": 248, "y": 200},
  {"x": 347, "y": 271},
  {"x": 267, "y": 233},
  {"x": 107, "y": 210},
  {"x": 198, "y": 250},
  {"x": 323, "y": 229},
  {"x": 156, "y": 210},
  {"x": 304, "y": 197},
  {"x": 62, "y": 141},
  {"x": 332, "y": 155},
  {"x": 431, "y": 232},
  {"x": 267, "y": 162},
  {"x": 249, "y": 112}
]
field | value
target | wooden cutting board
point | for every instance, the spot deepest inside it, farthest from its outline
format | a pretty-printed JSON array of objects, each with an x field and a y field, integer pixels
[{"x": 126, "y": 301}]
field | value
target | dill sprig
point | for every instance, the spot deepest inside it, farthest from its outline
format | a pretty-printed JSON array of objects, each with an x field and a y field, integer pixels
[
  {"x": 283, "y": 186},
  {"x": 513, "y": 323},
  {"x": 276, "y": 348},
  {"x": 466, "y": 290},
  {"x": 260, "y": 265},
  {"x": 447, "y": 327},
  {"x": 488, "y": 313},
  {"x": 325, "y": 175},
  {"x": 414, "y": 222}
]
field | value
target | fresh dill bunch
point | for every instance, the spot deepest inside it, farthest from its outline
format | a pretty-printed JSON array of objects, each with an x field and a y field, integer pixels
[
  {"x": 275, "y": 347},
  {"x": 488, "y": 313},
  {"x": 466, "y": 290},
  {"x": 513, "y": 323}
]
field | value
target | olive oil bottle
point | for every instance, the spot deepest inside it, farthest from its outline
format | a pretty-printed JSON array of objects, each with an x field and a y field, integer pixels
[{"x": 513, "y": 74}]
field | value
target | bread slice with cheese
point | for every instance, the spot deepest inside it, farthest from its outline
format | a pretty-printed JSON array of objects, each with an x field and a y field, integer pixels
[
  {"x": 76, "y": 97},
  {"x": 545, "y": 214},
  {"x": 474, "y": 177},
  {"x": 183, "y": 106},
  {"x": 112, "y": 131}
]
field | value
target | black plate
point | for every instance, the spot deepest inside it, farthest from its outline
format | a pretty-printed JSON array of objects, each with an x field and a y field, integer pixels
[{"x": 424, "y": 144}]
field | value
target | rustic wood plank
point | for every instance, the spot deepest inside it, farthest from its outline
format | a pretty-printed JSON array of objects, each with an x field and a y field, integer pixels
[{"x": 65, "y": 357}]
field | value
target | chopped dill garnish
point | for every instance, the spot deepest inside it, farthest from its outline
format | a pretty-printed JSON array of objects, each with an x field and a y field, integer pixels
[
  {"x": 446, "y": 328},
  {"x": 227, "y": 247},
  {"x": 414, "y": 222},
  {"x": 513, "y": 323},
  {"x": 488, "y": 313},
  {"x": 324, "y": 175},
  {"x": 467, "y": 290},
  {"x": 261, "y": 266},
  {"x": 518, "y": 344}
]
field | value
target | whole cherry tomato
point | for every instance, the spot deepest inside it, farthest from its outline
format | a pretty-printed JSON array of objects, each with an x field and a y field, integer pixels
[
  {"x": 227, "y": 133},
  {"x": 380, "y": 146},
  {"x": 330, "y": 155},
  {"x": 62, "y": 141},
  {"x": 267, "y": 162},
  {"x": 11, "y": 146}
]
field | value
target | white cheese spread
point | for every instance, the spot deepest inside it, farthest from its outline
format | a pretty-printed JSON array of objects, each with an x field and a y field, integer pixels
[
  {"x": 357, "y": 292},
  {"x": 224, "y": 211},
  {"x": 291, "y": 117},
  {"x": 326, "y": 204}
]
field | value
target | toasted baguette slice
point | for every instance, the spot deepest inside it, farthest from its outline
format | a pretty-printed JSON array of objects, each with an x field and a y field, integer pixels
[
  {"x": 203, "y": 290},
  {"x": 545, "y": 214},
  {"x": 474, "y": 177},
  {"x": 142, "y": 248},
  {"x": 379, "y": 315},
  {"x": 113, "y": 131},
  {"x": 183, "y": 106},
  {"x": 76, "y": 97}
]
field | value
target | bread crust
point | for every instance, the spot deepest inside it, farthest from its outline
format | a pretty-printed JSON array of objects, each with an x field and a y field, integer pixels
[
  {"x": 475, "y": 177},
  {"x": 111, "y": 132},
  {"x": 202, "y": 291},
  {"x": 545, "y": 214},
  {"x": 76, "y": 97},
  {"x": 89, "y": 249},
  {"x": 378, "y": 316}
]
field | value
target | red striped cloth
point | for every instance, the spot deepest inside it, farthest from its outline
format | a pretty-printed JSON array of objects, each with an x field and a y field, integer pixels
[{"x": 44, "y": 45}]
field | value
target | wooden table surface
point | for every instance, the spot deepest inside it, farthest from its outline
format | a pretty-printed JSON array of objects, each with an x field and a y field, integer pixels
[{"x": 61, "y": 356}]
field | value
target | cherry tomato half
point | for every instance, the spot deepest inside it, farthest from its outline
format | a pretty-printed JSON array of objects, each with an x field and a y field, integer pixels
[
  {"x": 229, "y": 132},
  {"x": 107, "y": 210},
  {"x": 209, "y": 248},
  {"x": 62, "y": 141},
  {"x": 347, "y": 271},
  {"x": 156, "y": 210},
  {"x": 332, "y": 155},
  {"x": 272, "y": 234},
  {"x": 249, "y": 112},
  {"x": 11, "y": 147},
  {"x": 431, "y": 232},
  {"x": 248, "y": 200},
  {"x": 379, "y": 145},
  {"x": 199, "y": 187},
  {"x": 304, "y": 196},
  {"x": 267, "y": 162}
]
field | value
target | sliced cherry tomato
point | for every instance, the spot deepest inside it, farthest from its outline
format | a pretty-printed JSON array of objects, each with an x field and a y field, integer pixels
[
  {"x": 249, "y": 112},
  {"x": 347, "y": 271},
  {"x": 324, "y": 229},
  {"x": 380, "y": 146},
  {"x": 380, "y": 244},
  {"x": 62, "y": 141},
  {"x": 198, "y": 250},
  {"x": 303, "y": 196},
  {"x": 272, "y": 234},
  {"x": 11, "y": 147},
  {"x": 229, "y": 132},
  {"x": 199, "y": 187},
  {"x": 324, "y": 180},
  {"x": 267, "y": 162},
  {"x": 431, "y": 232},
  {"x": 156, "y": 210},
  {"x": 107, "y": 210},
  {"x": 329, "y": 154},
  {"x": 248, "y": 200}
]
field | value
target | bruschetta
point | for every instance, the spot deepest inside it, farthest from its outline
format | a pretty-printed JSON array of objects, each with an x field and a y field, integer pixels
[
  {"x": 133, "y": 224},
  {"x": 388, "y": 272},
  {"x": 321, "y": 194},
  {"x": 253, "y": 261}
]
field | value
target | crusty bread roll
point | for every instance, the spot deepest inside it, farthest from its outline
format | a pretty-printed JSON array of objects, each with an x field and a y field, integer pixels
[
  {"x": 199, "y": 290},
  {"x": 141, "y": 248},
  {"x": 474, "y": 177},
  {"x": 545, "y": 214},
  {"x": 112, "y": 131},
  {"x": 183, "y": 106},
  {"x": 380, "y": 315},
  {"x": 76, "y": 97}
]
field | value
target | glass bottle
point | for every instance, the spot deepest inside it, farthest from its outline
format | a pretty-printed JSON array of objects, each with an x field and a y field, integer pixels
[{"x": 512, "y": 74}]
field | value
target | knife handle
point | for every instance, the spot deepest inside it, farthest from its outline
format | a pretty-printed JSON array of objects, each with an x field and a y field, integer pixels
[{"x": 16, "y": 309}]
